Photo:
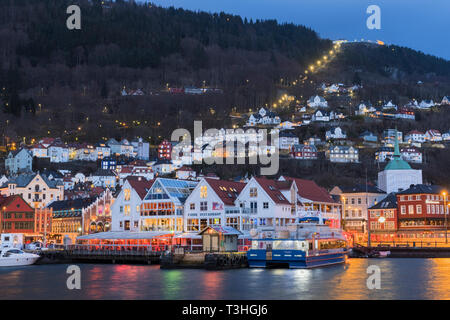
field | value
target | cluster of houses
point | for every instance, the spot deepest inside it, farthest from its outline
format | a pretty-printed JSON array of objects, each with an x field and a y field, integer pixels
[
  {"x": 174, "y": 210},
  {"x": 57, "y": 151}
]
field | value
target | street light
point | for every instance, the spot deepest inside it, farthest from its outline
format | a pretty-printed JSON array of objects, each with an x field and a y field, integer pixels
[{"x": 444, "y": 194}]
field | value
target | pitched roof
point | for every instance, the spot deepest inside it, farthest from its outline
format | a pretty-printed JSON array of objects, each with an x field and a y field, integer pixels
[
  {"x": 390, "y": 202},
  {"x": 273, "y": 189},
  {"x": 227, "y": 191},
  {"x": 141, "y": 186},
  {"x": 75, "y": 204},
  {"x": 24, "y": 179},
  {"x": 308, "y": 189},
  {"x": 361, "y": 188},
  {"x": 423, "y": 188}
]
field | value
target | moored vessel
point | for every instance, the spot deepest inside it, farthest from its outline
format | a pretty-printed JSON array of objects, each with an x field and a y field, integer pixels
[{"x": 303, "y": 245}]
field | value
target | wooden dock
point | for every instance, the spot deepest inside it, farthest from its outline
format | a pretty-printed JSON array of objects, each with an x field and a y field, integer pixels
[
  {"x": 204, "y": 260},
  {"x": 100, "y": 256}
]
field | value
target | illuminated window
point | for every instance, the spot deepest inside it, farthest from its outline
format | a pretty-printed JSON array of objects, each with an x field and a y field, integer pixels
[
  {"x": 127, "y": 194},
  {"x": 203, "y": 191},
  {"x": 253, "y": 192}
]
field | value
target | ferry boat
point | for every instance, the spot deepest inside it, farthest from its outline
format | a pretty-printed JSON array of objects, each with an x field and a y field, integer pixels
[{"x": 304, "y": 245}]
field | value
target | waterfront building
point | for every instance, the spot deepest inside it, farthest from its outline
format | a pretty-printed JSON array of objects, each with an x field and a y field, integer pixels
[
  {"x": 17, "y": 216},
  {"x": 316, "y": 202},
  {"x": 19, "y": 161},
  {"x": 36, "y": 189},
  {"x": 398, "y": 174},
  {"x": 163, "y": 206},
  {"x": 421, "y": 211},
  {"x": 383, "y": 218},
  {"x": 43, "y": 221},
  {"x": 67, "y": 218},
  {"x": 268, "y": 203},
  {"x": 212, "y": 203},
  {"x": 355, "y": 203},
  {"x": 126, "y": 209},
  {"x": 96, "y": 216}
]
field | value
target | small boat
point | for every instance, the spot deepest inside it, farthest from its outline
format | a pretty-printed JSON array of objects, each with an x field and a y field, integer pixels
[
  {"x": 11, "y": 257},
  {"x": 306, "y": 245}
]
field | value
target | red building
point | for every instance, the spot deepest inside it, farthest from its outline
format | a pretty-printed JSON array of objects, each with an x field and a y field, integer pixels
[
  {"x": 304, "y": 151},
  {"x": 421, "y": 212},
  {"x": 383, "y": 219},
  {"x": 16, "y": 215},
  {"x": 165, "y": 150}
]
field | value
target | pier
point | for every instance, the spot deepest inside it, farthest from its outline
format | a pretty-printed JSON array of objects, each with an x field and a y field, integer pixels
[
  {"x": 204, "y": 260},
  {"x": 414, "y": 249},
  {"x": 103, "y": 254}
]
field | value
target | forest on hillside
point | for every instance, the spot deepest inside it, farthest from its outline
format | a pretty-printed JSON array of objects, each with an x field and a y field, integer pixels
[{"x": 67, "y": 83}]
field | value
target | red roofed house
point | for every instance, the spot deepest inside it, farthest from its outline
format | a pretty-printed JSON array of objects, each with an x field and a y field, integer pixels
[
  {"x": 125, "y": 211},
  {"x": 17, "y": 216},
  {"x": 266, "y": 204},
  {"x": 316, "y": 201},
  {"x": 212, "y": 203}
]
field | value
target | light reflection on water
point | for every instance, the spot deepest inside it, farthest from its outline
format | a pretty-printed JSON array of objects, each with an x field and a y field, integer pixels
[{"x": 400, "y": 279}]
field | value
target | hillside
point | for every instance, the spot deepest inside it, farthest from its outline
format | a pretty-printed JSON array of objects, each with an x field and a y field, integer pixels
[{"x": 57, "y": 82}]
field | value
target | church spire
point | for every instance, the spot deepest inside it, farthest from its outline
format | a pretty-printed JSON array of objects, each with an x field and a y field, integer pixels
[{"x": 397, "y": 154}]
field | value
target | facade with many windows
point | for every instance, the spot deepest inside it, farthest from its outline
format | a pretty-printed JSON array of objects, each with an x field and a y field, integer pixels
[
  {"x": 163, "y": 206},
  {"x": 421, "y": 208},
  {"x": 212, "y": 203},
  {"x": 16, "y": 215}
]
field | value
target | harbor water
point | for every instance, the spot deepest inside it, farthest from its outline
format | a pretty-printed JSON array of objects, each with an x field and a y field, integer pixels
[{"x": 400, "y": 279}]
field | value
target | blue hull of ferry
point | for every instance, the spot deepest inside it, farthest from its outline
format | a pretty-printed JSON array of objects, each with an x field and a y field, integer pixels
[{"x": 293, "y": 258}]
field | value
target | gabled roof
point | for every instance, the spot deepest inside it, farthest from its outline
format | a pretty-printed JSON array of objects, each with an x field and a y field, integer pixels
[
  {"x": 141, "y": 186},
  {"x": 226, "y": 230},
  {"x": 227, "y": 191},
  {"x": 273, "y": 189},
  {"x": 308, "y": 189}
]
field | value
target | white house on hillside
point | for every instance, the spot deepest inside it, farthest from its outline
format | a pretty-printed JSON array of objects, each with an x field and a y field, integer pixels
[
  {"x": 317, "y": 102},
  {"x": 19, "y": 161},
  {"x": 335, "y": 133}
]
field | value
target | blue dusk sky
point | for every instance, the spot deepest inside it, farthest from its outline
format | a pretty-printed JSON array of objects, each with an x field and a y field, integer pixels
[{"x": 419, "y": 24}]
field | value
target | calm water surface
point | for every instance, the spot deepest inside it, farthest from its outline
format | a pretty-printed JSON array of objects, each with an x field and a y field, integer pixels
[{"x": 400, "y": 279}]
